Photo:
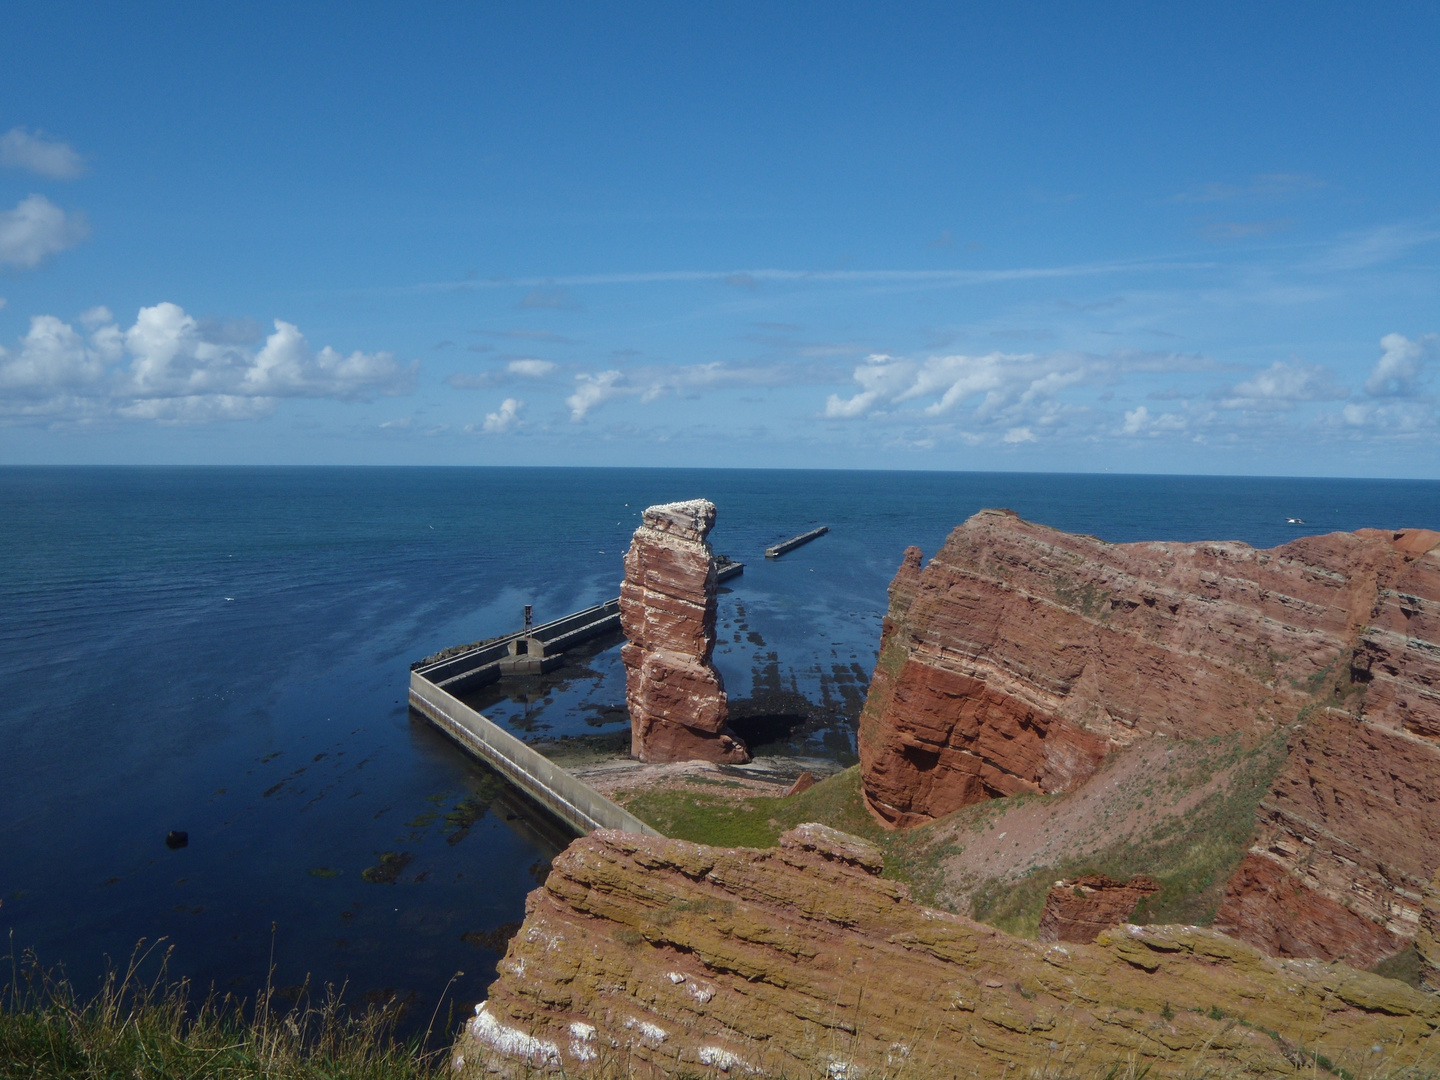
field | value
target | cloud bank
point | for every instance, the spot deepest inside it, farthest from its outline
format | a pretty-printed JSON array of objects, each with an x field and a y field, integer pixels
[{"x": 170, "y": 368}]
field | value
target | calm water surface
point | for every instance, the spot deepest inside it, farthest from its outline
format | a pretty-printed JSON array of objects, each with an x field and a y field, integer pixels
[{"x": 225, "y": 652}]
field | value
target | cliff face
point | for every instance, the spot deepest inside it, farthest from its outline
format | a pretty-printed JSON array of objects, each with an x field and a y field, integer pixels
[
  {"x": 1021, "y": 655},
  {"x": 659, "y": 957},
  {"x": 678, "y": 707},
  {"x": 1427, "y": 942},
  {"x": 1079, "y": 910}
]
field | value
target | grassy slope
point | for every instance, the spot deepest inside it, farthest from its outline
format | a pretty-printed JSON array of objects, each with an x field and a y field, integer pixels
[{"x": 1191, "y": 857}]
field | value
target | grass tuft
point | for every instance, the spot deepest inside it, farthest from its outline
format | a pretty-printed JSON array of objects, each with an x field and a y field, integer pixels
[{"x": 149, "y": 1028}]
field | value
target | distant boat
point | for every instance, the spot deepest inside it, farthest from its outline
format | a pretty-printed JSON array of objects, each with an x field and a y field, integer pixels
[{"x": 1295, "y": 521}]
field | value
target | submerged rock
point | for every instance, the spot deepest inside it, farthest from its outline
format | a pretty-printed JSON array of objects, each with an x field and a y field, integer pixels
[{"x": 678, "y": 707}]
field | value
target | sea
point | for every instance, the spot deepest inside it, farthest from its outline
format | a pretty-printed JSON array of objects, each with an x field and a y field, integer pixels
[{"x": 224, "y": 652}]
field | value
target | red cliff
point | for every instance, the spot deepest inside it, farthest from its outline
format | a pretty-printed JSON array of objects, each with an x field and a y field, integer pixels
[
  {"x": 1427, "y": 942},
  {"x": 647, "y": 957},
  {"x": 1020, "y": 656},
  {"x": 1078, "y": 910},
  {"x": 678, "y": 707}
]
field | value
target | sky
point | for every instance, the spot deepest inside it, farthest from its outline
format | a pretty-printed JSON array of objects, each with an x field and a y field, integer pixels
[{"x": 1197, "y": 238}]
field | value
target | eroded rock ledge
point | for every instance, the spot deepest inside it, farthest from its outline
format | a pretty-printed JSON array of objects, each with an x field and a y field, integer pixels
[
  {"x": 651, "y": 957},
  {"x": 1021, "y": 655}
]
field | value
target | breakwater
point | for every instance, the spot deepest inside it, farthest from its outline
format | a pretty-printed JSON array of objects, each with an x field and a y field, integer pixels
[
  {"x": 574, "y": 802},
  {"x": 525, "y": 652},
  {"x": 776, "y": 550}
]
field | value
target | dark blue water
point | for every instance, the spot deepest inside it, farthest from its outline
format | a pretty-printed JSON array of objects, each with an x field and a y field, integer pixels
[{"x": 225, "y": 651}]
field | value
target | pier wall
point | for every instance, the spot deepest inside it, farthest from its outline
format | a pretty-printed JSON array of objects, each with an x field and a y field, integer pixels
[{"x": 573, "y": 801}]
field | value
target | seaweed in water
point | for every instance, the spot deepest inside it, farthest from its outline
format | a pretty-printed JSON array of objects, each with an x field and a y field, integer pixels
[
  {"x": 392, "y": 864},
  {"x": 495, "y": 940},
  {"x": 469, "y": 810}
]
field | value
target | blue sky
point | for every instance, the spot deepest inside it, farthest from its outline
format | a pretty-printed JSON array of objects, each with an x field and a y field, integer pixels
[{"x": 1148, "y": 238}]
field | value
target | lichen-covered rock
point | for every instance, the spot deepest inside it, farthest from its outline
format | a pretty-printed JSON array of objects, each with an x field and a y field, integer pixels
[
  {"x": 649, "y": 957},
  {"x": 677, "y": 702},
  {"x": 1079, "y": 910},
  {"x": 1021, "y": 655}
]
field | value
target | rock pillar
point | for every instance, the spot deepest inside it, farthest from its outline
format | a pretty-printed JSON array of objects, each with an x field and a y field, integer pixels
[{"x": 678, "y": 708}]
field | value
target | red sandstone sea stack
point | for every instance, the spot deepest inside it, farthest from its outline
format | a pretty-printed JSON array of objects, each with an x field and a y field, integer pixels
[
  {"x": 1021, "y": 656},
  {"x": 678, "y": 708}
]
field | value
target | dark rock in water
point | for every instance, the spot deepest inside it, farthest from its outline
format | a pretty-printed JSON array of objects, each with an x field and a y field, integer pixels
[
  {"x": 389, "y": 869},
  {"x": 176, "y": 839}
]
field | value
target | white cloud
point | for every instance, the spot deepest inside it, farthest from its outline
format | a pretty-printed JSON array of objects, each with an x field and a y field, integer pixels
[
  {"x": 177, "y": 372},
  {"x": 1394, "y": 417},
  {"x": 1138, "y": 421},
  {"x": 684, "y": 380},
  {"x": 37, "y": 154},
  {"x": 1019, "y": 435},
  {"x": 52, "y": 356},
  {"x": 1283, "y": 386},
  {"x": 1008, "y": 386},
  {"x": 881, "y": 378},
  {"x": 37, "y": 229},
  {"x": 507, "y": 419},
  {"x": 522, "y": 368},
  {"x": 1397, "y": 373},
  {"x": 592, "y": 390}
]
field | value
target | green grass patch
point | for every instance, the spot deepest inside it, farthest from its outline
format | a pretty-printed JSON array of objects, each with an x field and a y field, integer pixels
[
  {"x": 756, "y": 821},
  {"x": 1404, "y": 965},
  {"x": 910, "y": 857}
]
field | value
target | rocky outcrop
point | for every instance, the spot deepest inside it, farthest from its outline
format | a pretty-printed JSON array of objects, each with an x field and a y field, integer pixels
[
  {"x": 678, "y": 708},
  {"x": 1427, "y": 941},
  {"x": 1079, "y": 910},
  {"x": 649, "y": 957},
  {"x": 1348, "y": 837},
  {"x": 1021, "y": 655}
]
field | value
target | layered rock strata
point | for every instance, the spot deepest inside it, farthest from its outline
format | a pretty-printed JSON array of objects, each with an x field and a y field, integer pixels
[
  {"x": 677, "y": 702},
  {"x": 1021, "y": 655},
  {"x": 1079, "y": 910},
  {"x": 1427, "y": 941},
  {"x": 653, "y": 957}
]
